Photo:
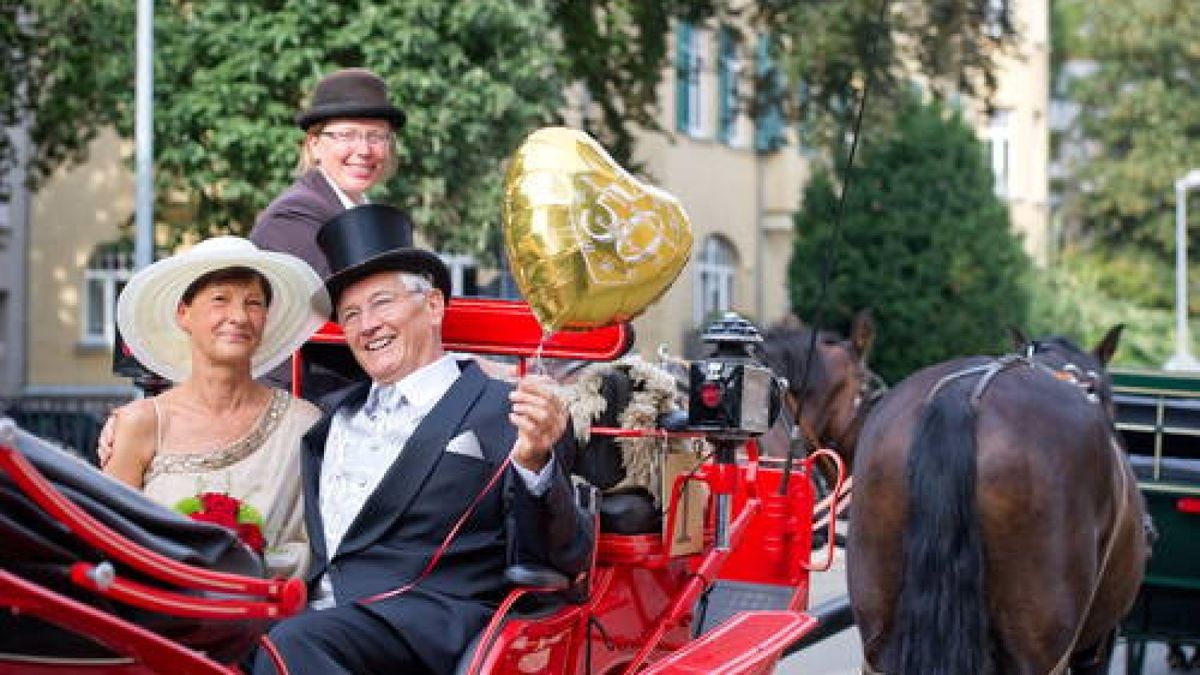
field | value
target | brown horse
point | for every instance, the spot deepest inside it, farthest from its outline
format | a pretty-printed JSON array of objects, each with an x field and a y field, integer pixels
[
  {"x": 996, "y": 527},
  {"x": 828, "y": 406}
]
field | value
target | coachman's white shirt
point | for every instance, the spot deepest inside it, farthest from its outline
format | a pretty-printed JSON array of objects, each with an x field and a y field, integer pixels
[{"x": 364, "y": 442}]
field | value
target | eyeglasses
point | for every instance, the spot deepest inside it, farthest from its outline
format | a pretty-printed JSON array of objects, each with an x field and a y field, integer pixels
[{"x": 349, "y": 138}]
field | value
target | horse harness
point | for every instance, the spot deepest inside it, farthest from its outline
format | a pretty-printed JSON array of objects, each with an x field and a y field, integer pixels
[
  {"x": 871, "y": 387},
  {"x": 1087, "y": 382}
]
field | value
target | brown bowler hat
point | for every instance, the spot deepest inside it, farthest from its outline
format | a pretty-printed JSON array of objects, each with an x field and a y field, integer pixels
[{"x": 350, "y": 93}]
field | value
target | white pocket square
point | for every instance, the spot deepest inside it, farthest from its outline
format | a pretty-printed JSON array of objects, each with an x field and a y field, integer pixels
[{"x": 465, "y": 444}]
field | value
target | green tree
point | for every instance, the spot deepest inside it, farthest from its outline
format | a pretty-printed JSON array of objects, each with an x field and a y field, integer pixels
[
  {"x": 924, "y": 243},
  {"x": 64, "y": 72},
  {"x": 473, "y": 78},
  {"x": 1138, "y": 119},
  {"x": 621, "y": 48},
  {"x": 229, "y": 76}
]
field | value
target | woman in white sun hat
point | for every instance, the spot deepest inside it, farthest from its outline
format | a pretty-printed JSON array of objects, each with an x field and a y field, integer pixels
[{"x": 218, "y": 445}]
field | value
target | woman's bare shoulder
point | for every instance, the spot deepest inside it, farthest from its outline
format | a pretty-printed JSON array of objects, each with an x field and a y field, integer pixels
[{"x": 136, "y": 419}]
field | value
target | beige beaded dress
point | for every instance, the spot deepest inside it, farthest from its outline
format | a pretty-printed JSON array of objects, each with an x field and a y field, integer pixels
[{"x": 261, "y": 469}]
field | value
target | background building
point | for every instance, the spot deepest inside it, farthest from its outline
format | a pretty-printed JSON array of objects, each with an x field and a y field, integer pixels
[{"x": 63, "y": 259}]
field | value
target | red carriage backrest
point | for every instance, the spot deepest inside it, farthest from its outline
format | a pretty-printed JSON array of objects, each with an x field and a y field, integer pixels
[{"x": 508, "y": 327}]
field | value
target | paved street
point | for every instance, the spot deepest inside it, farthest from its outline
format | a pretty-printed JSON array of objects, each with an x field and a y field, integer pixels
[{"x": 841, "y": 654}]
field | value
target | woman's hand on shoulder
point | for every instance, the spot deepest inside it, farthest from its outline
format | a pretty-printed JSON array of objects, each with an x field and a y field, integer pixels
[{"x": 131, "y": 435}]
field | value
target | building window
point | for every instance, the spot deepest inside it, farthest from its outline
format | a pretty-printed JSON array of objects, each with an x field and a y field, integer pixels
[
  {"x": 995, "y": 18},
  {"x": 769, "y": 133},
  {"x": 5, "y": 200},
  {"x": 691, "y": 95},
  {"x": 4, "y": 336},
  {"x": 999, "y": 150},
  {"x": 108, "y": 270},
  {"x": 464, "y": 271},
  {"x": 716, "y": 268},
  {"x": 728, "y": 88}
]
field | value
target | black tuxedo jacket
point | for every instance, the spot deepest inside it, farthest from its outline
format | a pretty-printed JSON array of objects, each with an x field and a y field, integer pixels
[{"x": 421, "y": 496}]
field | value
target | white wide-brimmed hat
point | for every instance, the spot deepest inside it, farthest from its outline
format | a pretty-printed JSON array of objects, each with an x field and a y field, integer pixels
[{"x": 146, "y": 308}]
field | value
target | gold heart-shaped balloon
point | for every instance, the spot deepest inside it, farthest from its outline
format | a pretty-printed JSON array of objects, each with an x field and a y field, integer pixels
[{"x": 589, "y": 245}]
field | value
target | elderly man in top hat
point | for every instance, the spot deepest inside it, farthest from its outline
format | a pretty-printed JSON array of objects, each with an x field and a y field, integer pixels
[{"x": 397, "y": 462}]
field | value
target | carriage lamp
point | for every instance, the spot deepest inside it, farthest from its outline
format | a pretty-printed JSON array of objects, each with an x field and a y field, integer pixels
[
  {"x": 732, "y": 397},
  {"x": 710, "y": 394},
  {"x": 732, "y": 394}
]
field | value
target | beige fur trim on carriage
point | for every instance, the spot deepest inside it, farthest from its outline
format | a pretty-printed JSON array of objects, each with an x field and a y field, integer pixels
[{"x": 654, "y": 393}]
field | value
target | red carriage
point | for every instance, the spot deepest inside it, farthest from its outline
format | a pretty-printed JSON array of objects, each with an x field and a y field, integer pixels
[{"x": 106, "y": 583}]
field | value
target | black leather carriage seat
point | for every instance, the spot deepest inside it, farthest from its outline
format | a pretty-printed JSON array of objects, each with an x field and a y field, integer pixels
[
  {"x": 629, "y": 511},
  {"x": 40, "y": 549}
]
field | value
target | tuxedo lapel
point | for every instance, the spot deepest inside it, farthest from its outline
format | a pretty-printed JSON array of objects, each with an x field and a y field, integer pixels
[
  {"x": 314, "y": 455},
  {"x": 407, "y": 475}
]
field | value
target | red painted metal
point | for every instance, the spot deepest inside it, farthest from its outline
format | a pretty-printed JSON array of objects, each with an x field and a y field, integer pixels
[
  {"x": 508, "y": 328},
  {"x": 639, "y": 610},
  {"x": 637, "y": 613},
  {"x": 749, "y": 643},
  {"x": 146, "y": 652},
  {"x": 287, "y": 594},
  {"x": 641, "y": 600}
]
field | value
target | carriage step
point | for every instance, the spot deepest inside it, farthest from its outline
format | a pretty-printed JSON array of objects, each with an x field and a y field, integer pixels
[
  {"x": 727, "y": 598},
  {"x": 749, "y": 642}
]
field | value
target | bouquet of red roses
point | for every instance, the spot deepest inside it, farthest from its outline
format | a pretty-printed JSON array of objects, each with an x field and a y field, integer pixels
[{"x": 227, "y": 511}]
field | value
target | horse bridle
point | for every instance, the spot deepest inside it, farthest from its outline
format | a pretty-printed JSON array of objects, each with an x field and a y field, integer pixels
[{"x": 871, "y": 387}]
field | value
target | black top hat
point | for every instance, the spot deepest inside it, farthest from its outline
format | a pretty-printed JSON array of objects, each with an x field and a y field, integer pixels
[
  {"x": 354, "y": 93},
  {"x": 375, "y": 238}
]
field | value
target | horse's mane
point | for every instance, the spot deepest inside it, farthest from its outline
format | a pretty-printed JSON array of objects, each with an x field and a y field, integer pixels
[{"x": 786, "y": 346}]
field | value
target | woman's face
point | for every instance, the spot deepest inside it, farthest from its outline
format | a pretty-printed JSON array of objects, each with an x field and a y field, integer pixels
[
  {"x": 354, "y": 153},
  {"x": 225, "y": 321}
]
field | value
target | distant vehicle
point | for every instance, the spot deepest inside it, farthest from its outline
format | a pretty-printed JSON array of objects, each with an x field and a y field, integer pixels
[{"x": 1158, "y": 413}]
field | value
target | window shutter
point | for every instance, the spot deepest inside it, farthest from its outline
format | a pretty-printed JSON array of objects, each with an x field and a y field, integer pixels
[
  {"x": 769, "y": 131},
  {"x": 683, "y": 65},
  {"x": 726, "y": 86}
]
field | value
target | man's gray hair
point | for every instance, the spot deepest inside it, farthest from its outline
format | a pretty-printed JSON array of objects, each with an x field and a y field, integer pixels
[{"x": 415, "y": 282}]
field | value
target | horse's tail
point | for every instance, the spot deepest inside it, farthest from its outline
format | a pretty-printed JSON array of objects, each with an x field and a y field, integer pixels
[{"x": 941, "y": 625}]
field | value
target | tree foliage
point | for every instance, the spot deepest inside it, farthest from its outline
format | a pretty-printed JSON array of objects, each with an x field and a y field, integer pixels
[
  {"x": 230, "y": 75},
  {"x": 1139, "y": 123},
  {"x": 828, "y": 49},
  {"x": 65, "y": 72},
  {"x": 618, "y": 49},
  {"x": 474, "y": 77},
  {"x": 924, "y": 243}
]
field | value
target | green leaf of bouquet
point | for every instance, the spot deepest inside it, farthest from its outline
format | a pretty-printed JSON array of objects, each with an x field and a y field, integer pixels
[
  {"x": 189, "y": 505},
  {"x": 248, "y": 514}
]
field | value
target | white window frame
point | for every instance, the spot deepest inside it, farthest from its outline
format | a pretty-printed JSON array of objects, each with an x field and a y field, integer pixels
[
  {"x": 5, "y": 322},
  {"x": 6, "y": 206},
  {"x": 992, "y": 26},
  {"x": 459, "y": 264},
  {"x": 111, "y": 279},
  {"x": 716, "y": 275},
  {"x": 699, "y": 94},
  {"x": 1000, "y": 151}
]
